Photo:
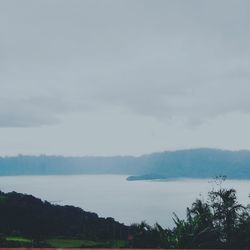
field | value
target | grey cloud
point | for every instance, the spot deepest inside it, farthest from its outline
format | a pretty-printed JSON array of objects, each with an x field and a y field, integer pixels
[
  {"x": 34, "y": 111},
  {"x": 164, "y": 59}
]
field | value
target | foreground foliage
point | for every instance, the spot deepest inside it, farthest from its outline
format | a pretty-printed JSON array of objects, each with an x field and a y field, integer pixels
[{"x": 220, "y": 222}]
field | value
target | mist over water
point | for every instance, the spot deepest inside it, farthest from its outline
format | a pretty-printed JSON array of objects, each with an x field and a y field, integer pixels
[{"x": 114, "y": 196}]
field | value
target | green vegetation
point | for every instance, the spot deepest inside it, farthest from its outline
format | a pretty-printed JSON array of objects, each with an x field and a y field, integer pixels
[
  {"x": 27, "y": 221},
  {"x": 65, "y": 243},
  {"x": 18, "y": 239},
  {"x": 2, "y": 198},
  {"x": 218, "y": 222},
  {"x": 76, "y": 243},
  {"x": 60, "y": 242}
]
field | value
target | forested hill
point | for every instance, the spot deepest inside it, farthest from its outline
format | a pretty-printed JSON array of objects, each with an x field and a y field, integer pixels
[
  {"x": 195, "y": 163},
  {"x": 27, "y": 216}
]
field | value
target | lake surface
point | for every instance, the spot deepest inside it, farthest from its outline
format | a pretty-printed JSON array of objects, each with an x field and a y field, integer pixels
[{"x": 126, "y": 201}]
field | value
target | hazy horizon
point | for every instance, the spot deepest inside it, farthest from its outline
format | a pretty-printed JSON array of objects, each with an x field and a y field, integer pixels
[{"x": 126, "y": 155}]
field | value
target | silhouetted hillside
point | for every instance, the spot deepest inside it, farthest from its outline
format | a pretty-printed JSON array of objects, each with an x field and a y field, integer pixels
[{"x": 27, "y": 216}]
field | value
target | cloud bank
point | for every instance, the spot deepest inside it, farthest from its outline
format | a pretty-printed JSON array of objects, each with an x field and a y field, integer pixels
[{"x": 185, "y": 60}]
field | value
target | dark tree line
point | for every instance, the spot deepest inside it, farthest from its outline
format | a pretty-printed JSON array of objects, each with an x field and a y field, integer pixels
[
  {"x": 219, "y": 222},
  {"x": 27, "y": 216}
]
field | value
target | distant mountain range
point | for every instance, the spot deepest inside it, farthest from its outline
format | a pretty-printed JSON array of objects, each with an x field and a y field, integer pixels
[{"x": 192, "y": 163}]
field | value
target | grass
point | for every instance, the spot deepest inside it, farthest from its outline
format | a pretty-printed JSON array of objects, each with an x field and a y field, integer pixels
[
  {"x": 3, "y": 198},
  {"x": 74, "y": 243},
  {"x": 107, "y": 244},
  {"x": 118, "y": 243},
  {"x": 64, "y": 243},
  {"x": 18, "y": 238}
]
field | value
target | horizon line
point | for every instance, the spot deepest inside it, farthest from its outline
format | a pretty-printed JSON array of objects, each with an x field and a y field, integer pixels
[{"x": 121, "y": 155}]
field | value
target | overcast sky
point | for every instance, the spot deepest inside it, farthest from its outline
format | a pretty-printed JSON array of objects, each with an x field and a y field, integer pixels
[{"x": 125, "y": 77}]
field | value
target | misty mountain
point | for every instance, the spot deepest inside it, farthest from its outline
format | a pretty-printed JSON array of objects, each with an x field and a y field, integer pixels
[{"x": 193, "y": 163}]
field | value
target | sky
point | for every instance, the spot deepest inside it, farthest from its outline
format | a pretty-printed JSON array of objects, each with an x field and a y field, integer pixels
[{"x": 123, "y": 77}]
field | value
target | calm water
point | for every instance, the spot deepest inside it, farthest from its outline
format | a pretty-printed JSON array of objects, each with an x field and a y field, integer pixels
[{"x": 112, "y": 195}]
